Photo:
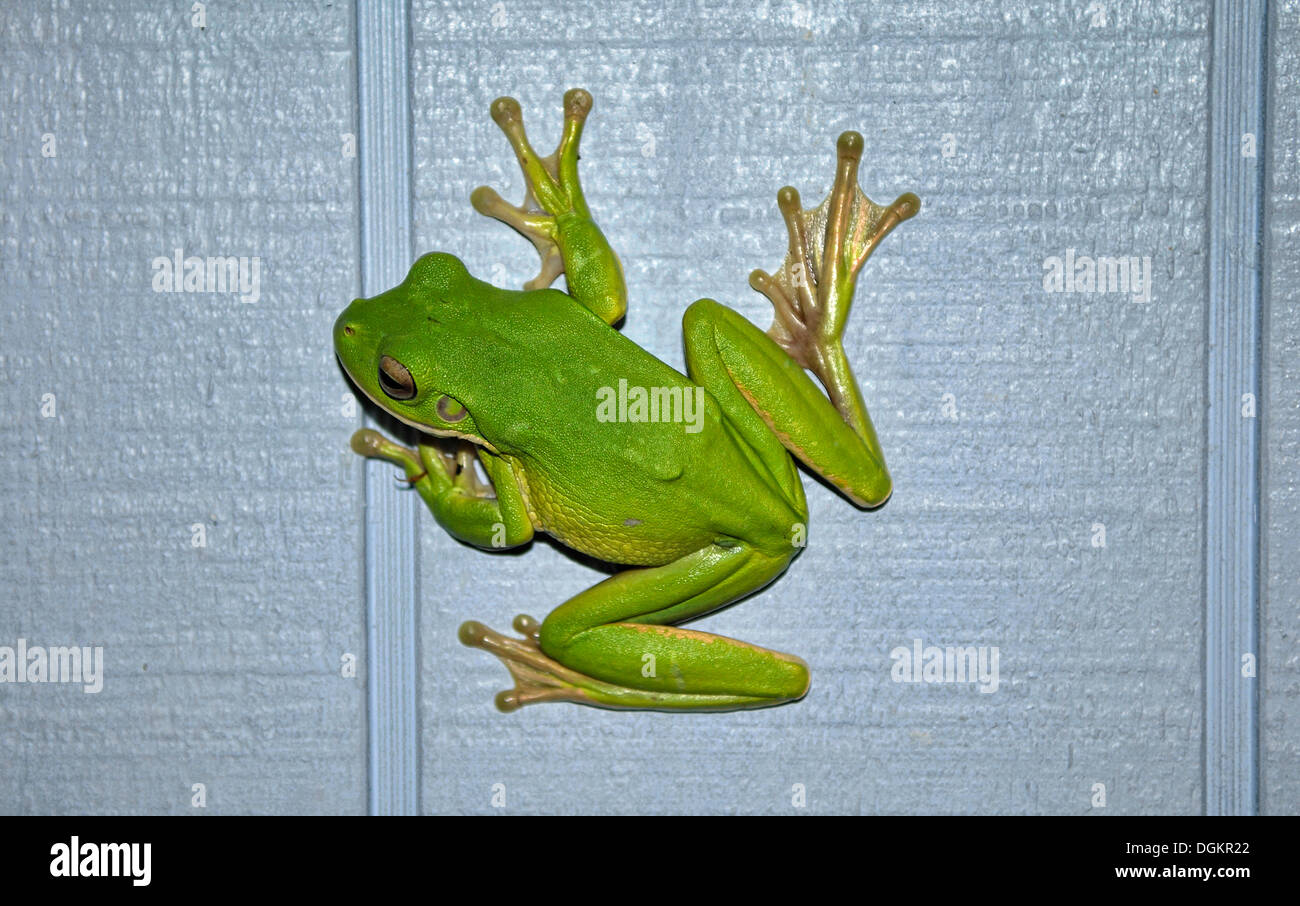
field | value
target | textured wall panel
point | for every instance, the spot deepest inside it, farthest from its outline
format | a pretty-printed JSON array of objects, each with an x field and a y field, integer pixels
[
  {"x": 1028, "y": 129},
  {"x": 222, "y": 663},
  {"x": 1280, "y": 582},
  {"x": 1072, "y": 409}
]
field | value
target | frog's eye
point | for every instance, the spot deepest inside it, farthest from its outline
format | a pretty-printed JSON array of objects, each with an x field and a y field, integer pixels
[{"x": 395, "y": 380}]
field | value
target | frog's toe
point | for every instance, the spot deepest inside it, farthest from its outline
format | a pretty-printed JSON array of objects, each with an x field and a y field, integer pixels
[
  {"x": 507, "y": 114},
  {"x": 371, "y": 444},
  {"x": 507, "y": 700},
  {"x": 472, "y": 633},
  {"x": 577, "y": 104},
  {"x": 527, "y": 626}
]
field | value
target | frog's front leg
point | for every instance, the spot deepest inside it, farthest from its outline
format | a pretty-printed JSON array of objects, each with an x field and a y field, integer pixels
[
  {"x": 493, "y": 517},
  {"x": 554, "y": 213},
  {"x": 612, "y": 645}
]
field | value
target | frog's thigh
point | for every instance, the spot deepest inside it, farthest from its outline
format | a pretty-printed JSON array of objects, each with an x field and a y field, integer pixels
[
  {"x": 755, "y": 381},
  {"x": 706, "y": 328},
  {"x": 615, "y": 631}
]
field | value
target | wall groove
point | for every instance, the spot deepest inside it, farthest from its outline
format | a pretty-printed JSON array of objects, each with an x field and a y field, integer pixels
[
  {"x": 1238, "y": 75},
  {"x": 383, "y": 99}
]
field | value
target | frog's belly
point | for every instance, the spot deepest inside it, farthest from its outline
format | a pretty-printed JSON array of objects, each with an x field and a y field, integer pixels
[{"x": 653, "y": 538}]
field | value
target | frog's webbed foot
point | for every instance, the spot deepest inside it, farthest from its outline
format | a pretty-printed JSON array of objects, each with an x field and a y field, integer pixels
[
  {"x": 454, "y": 457},
  {"x": 538, "y": 678},
  {"x": 552, "y": 183},
  {"x": 813, "y": 290}
]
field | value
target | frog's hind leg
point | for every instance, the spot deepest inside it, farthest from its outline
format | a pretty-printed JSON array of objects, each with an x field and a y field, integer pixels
[
  {"x": 813, "y": 290},
  {"x": 611, "y": 646},
  {"x": 811, "y": 294}
]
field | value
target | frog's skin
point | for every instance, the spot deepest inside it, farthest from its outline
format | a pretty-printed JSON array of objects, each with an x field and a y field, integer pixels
[{"x": 701, "y": 517}]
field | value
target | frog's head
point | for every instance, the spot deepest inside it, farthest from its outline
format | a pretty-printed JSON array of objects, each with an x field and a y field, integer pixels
[{"x": 401, "y": 347}]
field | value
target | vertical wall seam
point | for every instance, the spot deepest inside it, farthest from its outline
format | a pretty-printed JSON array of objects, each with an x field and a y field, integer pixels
[
  {"x": 384, "y": 151},
  {"x": 1238, "y": 77}
]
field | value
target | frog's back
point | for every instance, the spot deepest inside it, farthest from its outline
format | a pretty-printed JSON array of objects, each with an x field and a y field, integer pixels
[{"x": 621, "y": 456}]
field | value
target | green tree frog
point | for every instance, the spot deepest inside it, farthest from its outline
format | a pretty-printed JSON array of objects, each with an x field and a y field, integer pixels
[{"x": 687, "y": 480}]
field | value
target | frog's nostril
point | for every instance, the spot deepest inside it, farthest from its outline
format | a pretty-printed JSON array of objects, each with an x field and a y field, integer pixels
[{"x": 347, "y": 329}]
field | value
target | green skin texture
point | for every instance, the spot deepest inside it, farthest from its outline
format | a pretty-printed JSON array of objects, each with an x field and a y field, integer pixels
[{"x": 702, "y": 519}]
